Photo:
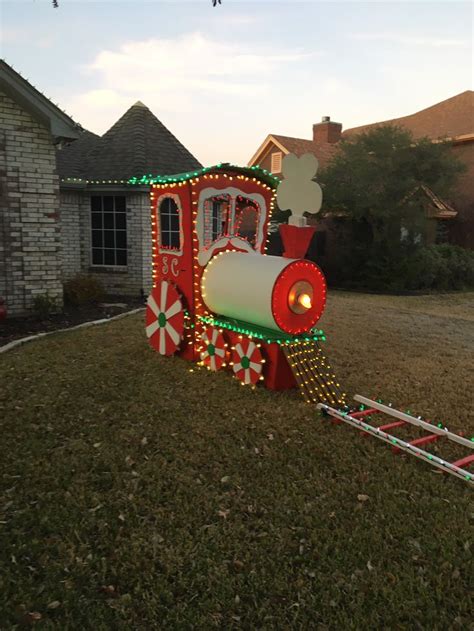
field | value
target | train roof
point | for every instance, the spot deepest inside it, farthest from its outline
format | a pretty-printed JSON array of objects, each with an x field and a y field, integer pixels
[{"x": 224, "y": 167}]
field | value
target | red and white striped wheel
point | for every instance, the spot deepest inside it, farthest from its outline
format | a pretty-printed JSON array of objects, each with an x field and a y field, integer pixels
[
  {"x": 213, "y": 348},
  {"x": 164, "y": 318},
  {"x": 248, "y": 362}
]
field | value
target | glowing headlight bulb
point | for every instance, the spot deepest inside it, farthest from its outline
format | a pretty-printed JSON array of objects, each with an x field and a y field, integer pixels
[
  {"x": 305, "y": 301},
  {"x": 300, "y": 297}
]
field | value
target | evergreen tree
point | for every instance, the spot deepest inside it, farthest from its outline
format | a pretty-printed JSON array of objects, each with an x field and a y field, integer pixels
[{"x": 373, "y": 182}]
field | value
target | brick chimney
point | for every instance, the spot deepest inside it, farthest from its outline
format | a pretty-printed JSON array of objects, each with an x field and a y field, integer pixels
[{"x": 327, "y": 131}]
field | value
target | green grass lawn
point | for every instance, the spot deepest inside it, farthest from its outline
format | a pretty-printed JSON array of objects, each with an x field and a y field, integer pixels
[{"x": 139, "y": 492}]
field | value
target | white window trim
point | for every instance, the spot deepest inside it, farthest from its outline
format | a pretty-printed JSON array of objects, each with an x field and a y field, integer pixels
[{"x": 205, "y": 253}]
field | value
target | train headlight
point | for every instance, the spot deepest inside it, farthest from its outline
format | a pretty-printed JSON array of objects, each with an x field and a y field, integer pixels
[
  {"x": 305, "y": 301},
  {"x": 300, "y": 297}
]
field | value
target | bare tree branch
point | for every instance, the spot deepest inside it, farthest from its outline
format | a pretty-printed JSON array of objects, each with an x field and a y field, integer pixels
[{"x": 214, "y": 3}]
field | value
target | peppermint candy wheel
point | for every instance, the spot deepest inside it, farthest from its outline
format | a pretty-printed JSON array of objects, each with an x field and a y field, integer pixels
[
  {"x": 164, "y": 318},
  {"x": 248, "y": 362},
  {"x": 213, "y": 353}
]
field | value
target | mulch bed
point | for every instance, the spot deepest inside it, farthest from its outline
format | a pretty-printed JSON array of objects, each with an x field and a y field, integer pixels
[{"x": 17, "y": 328}]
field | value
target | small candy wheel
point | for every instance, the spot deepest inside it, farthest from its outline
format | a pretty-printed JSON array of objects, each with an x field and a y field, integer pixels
[
  {"x": 164, "y": 318},
  {"x": 213, "y": 348},
  {"x": 248, "y": 362}
]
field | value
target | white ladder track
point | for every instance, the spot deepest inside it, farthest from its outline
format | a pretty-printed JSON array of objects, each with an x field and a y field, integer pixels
[{"x": 414, "y": 450}]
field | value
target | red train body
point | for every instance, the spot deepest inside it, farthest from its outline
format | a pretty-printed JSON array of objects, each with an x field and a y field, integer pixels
[{"x": 217, "y": 298}]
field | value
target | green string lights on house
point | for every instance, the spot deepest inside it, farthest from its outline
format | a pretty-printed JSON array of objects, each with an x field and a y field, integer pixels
[{"x": 149, "y": 179}]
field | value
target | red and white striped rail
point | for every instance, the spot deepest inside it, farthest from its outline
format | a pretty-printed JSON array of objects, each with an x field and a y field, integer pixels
[{"x": 357, "y": 419}]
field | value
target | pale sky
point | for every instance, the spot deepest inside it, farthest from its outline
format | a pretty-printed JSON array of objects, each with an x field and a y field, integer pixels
[{"x": 222, "y": 78}]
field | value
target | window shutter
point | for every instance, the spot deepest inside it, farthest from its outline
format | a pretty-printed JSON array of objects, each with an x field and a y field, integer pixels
[{"x": 276, "y": 162}]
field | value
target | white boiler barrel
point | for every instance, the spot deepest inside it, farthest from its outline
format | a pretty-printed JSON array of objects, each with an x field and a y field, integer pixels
[{"x": 256, "y": 289}]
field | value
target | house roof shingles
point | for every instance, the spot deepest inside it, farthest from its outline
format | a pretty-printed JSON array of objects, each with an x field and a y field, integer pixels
[
  {"x": 448, "y": 119},
  {"x": 451, "y": 118},
  {"x": 138, "y": 143},
  {"x": 299, "y": 146},
  {"x": 72, "y": 158}
]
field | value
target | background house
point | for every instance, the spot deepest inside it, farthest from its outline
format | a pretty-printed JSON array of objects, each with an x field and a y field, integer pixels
[
  {"x": 30, "y": 240},
  {"x": 451, "y": 120},
  {"x": 275, "y": 147},
  {"x": 64, "y": 199},
  {"x": 105, "y": 223}
]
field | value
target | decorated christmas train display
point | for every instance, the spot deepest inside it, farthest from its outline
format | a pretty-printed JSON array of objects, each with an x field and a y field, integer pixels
[{"x": 218, "y": 299}]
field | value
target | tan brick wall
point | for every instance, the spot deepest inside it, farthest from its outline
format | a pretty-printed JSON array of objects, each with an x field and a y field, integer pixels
[{"x": 30, "y": 257}]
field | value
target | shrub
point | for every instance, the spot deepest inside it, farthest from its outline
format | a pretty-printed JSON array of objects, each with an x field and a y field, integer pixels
[
  {"x": 436, "y": 267},
  {"x": 83, "y": 289},
  {"x": 44, "y": 305},
  {"x": 444, "y": 266}
]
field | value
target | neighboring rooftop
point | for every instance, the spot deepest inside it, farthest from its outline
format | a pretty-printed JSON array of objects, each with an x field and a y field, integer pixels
[
  {"x": 299, "y": 146},
  {"x": 138, "y": 143},
  {"x": 448, "y": 119},
  {"x": 326, "y": 134}
]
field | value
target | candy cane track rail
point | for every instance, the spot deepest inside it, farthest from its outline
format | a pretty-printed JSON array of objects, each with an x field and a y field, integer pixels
[{"x": 414, "y": 450}]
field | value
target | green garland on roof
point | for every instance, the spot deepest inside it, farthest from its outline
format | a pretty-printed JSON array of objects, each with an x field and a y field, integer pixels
[{"x": 255, "y": 171}]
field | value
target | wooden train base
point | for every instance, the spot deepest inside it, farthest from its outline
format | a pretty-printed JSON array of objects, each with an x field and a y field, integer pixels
[
  {"x": 369, "y": 408},
  {"x": 287, "y": 360}
]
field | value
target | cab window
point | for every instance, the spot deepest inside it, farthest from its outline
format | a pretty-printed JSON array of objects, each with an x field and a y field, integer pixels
[
  {"x": 216, "y": 218},
  {"x": 246, "y": 219},
  {"x": 170, "y": 232}
]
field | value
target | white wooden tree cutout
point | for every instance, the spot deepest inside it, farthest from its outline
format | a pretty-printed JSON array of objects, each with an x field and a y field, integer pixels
[{"x": 297, "y": 191}]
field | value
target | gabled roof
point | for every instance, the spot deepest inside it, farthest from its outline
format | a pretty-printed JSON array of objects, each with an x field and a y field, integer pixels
[
  {"x": 439, "y": 209},
  {"x": 449, "y": 119},
  {"x": 138, "y": 143},
  {"x": 40, "y": 107},
  {"x": 324, "y": 152},
  {"x": 298, "y": 146}
]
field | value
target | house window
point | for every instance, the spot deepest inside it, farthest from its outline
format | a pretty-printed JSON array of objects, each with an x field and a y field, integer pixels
[
  {"x": 442, "y": 231},
  {"x": 109, "y": 230},
  {"x": 170, "y": 229},
  {"x": 276, "y": 162}
]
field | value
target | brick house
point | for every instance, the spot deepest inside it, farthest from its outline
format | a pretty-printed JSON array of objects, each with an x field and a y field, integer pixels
[
  {"x": 105, "y": 223},
  {"x": 271, "y": 152},
  {"x": 64, "y": 200},
  {"x": 452, "y": 120},
  {"x": 30, "y": 247}
]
